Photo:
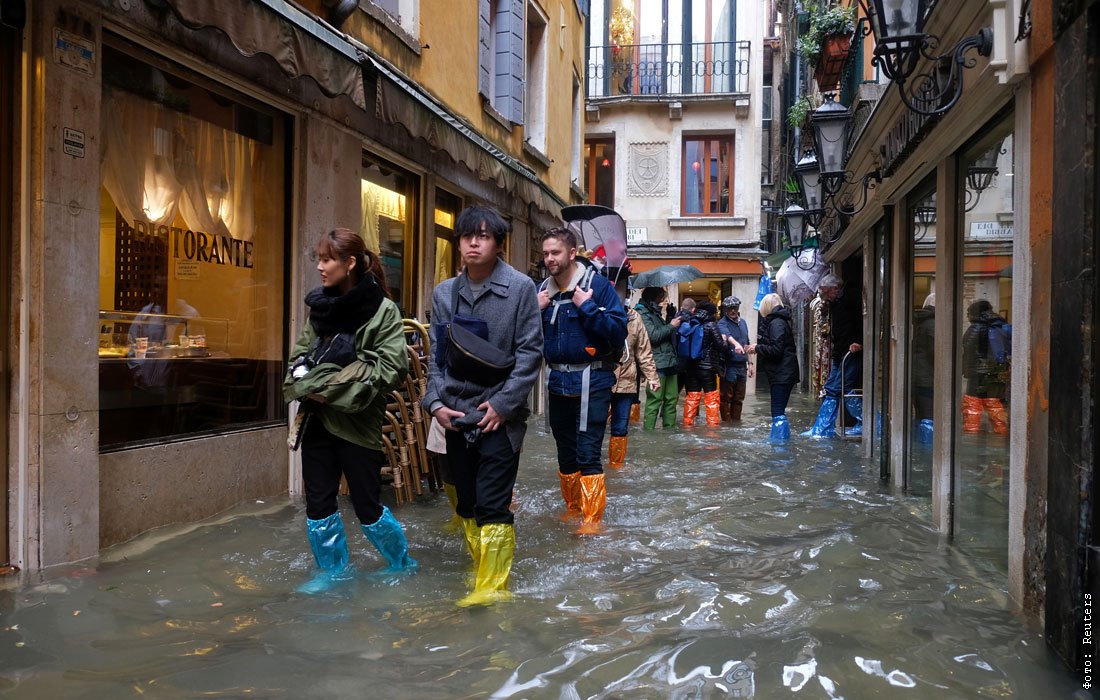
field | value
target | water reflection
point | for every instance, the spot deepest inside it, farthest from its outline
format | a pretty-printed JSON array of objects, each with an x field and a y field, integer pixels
[{"x": 731, "y": 568}]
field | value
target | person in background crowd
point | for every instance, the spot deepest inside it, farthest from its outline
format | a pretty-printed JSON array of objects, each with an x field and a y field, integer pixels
[
  {"x": 637, "y": 363},
  {"x": 778, "y": 359},
  {"x": 485, "y": 424},
  {"x": 702, "y": 374},
  {"x": 662, "y": 339},
  {"x": 350, "y": 355},
  {"x": 986, "y": 347},
  {"x": 924, "y": 366},
  {"x": 584, "y": 327},
  {"x": 740, "y": 366},
  {"x": 846, "y": 336},
  {"x": 685, "y": 314}
]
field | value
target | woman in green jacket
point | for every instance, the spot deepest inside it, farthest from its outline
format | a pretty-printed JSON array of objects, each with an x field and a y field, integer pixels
[
  {"x": 662, "y": 337},
  {"x": 350, "y": 356}
]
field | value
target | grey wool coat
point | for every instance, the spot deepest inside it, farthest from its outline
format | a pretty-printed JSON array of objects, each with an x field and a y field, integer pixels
[{"x": 509, "y": 305}]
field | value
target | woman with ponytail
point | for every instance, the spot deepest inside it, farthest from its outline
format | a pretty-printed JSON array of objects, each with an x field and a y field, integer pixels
[{"x": 350, "y": 355}]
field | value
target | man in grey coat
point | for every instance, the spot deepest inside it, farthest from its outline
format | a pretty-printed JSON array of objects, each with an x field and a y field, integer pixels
[{"x": 485, "y": 425}]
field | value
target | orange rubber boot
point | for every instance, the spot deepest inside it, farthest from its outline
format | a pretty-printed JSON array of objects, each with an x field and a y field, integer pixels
[
  {"x": 972, "y": 414},
  {"x": 616, "y": 452},
  {"x": 691, "y": 407},
  {"x": 998, "y": 417},
  {"x": 593, "y": 502},
  {"x": 571, "y": 493},
  {"x": 713, "y": 400},
  {"x": 636, "y": 413}
]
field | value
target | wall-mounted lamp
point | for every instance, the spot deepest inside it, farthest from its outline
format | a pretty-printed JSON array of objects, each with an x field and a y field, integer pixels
[
  {"x": 795, "y": 218},
  {"x": 924, "y": 217},
  {"x": 979, "y": 176},
  {"x": 901, "y": 44}
]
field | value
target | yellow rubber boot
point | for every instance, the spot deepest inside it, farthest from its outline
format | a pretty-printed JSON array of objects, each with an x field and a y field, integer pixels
[
  {"x": 498, "y": 544},
  {"x": 616, "y": 452},
  {"x": 455, "y": 523},
  {"x": 472, "y": 533},
  {"x": 593, "y": 501},
  {"x": 571, "y": 494}
]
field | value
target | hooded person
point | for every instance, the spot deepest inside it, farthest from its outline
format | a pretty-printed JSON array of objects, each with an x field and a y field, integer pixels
[{"x": 662, "y": 337}]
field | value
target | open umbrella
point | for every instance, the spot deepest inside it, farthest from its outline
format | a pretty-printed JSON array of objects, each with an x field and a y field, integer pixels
[
  {"x": 602, "y": 232},
  {"x": 664, "y": 275},
  {"x": 794, "y": 282}
]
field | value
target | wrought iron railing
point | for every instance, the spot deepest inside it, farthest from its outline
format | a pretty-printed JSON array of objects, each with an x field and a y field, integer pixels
[{"x": 668, "y": 69}]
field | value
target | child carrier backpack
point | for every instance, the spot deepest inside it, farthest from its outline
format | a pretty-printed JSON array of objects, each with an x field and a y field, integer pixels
[{"x": 689, "y": 339}]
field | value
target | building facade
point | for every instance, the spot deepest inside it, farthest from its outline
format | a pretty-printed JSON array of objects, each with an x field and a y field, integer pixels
[
  {"x": 168, "y": 168},
  {"x": 976, "y": 252},
  {"x": 678, "y": 132}
]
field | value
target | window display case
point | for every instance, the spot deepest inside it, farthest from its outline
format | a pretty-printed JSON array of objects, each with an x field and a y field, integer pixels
[{"x": 149, "y": 335}]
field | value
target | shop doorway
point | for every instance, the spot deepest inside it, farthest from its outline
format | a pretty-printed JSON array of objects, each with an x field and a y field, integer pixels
[{"x": 9, "y": 41}]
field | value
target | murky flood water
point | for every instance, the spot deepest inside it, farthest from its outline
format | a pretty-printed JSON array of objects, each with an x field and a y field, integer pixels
[{"x": 729, "y": 568}]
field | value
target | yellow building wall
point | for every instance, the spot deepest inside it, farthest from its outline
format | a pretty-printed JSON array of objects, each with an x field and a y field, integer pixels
[{"x": 447, "y": 68}]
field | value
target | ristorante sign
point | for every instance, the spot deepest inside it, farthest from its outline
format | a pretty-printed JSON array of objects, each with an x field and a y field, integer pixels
[{"x": 185, "y": 244}]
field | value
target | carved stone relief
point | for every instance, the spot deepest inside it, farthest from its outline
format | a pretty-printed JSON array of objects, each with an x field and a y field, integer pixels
[{"x": 648, "y": 172}]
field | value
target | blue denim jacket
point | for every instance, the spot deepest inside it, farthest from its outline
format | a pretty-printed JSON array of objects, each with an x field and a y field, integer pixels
[{"x": 599, "y": 324}]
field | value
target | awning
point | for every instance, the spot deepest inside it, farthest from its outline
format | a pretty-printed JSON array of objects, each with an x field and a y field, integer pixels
[
  {"x": 302, "y": 46},
  {"x": 399, "y": 102}
]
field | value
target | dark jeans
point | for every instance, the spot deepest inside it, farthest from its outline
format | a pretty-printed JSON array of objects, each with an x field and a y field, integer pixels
[
  {"x": 484, "y": 475},
  {"x": 579, "y": 451},
  {"x": 853, "y": 375},
  {"x": 733, "y": 397},
  {"x": 324, "y": 458},
  {"x": 704, "y": 380},
  {"x": 781, "y": 394},
  {"x": 620, "y": 413}
]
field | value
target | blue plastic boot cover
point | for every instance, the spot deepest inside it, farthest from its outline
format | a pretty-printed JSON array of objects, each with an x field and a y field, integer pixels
[
  {"x": 924, "y": 431},
  {"x": 329, "y": 544},
  {"x": 854, "y": 404},
  {"x": 330, "y": 550},
  {"x": 389, "y": 539},
  {"x": 825, "y": 424},
  {"x": 781, "y": 429}
]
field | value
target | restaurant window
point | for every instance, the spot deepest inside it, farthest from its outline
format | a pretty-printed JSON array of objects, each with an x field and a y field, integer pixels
[
  {"x": 707, "y": 175},
  {"x": 920, "y": 248},
  {"x": 193, "y": 224},
  {"x": 599, "y": 171},
  {"x": 389, "y": 205},
  {"x": 447, "y": 207}
]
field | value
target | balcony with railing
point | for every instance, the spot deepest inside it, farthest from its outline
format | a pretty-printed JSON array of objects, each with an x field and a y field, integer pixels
[{"x": 668, "y": 70}]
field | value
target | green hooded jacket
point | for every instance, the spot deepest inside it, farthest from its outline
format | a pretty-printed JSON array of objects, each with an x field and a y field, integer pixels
[
  {"x": 356, "y": 395},
  {"x": 662, "y": 336}
]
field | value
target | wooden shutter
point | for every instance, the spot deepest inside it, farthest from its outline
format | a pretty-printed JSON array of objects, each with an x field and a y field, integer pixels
[
  {"x": 510, "y": 55},
  {"x": 484, "y": 48}
]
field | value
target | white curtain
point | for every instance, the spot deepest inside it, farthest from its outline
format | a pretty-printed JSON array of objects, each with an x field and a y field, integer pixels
[{"x": 157, "y": 162}]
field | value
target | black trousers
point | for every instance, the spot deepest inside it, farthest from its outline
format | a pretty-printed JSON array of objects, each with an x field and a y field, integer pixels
[
  {"x": 698, "y": 379},
  {"x": 324, "y": 458},
  {"x": 484, "y": 475}
]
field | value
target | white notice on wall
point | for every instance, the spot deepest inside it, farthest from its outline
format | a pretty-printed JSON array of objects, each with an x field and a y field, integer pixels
[
  {"x": 73, "y": 51},
  {"x": 187, "y": 269},
  {"x": 636, "y": 234}
]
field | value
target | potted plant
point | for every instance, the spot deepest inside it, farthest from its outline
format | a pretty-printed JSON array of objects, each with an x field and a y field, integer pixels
[
  {"x": 833, "y": 28},
  {"x": 809, "y": 48}
]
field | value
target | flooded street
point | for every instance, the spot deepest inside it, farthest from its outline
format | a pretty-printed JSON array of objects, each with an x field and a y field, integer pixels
[{"x": 729, "y": 568}]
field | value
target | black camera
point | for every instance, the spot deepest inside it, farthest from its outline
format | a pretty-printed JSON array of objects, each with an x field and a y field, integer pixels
[{"x": 301, "y": 367}]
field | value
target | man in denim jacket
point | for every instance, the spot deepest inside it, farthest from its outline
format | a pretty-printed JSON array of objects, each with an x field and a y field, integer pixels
[{"x": 584, "y": 331}]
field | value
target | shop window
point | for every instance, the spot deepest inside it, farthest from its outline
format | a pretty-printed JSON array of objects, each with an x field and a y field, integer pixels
[
  {"x": 192, "y": 251},
  {"x": 921, "y": 358},
  {"x": 389, "y": 204},
  {"x": 984, "y": 196},
  {"x": 447, "y": 207},
  {"x": 707, "y": 175},
  {"x": 599, "y": 171}
]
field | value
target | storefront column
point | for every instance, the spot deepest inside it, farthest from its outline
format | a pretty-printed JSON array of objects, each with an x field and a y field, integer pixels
[
  {"x": 948, "y": 282},
  {"x": 57, "y": 406},
  {"x": 899, "y": 314}
]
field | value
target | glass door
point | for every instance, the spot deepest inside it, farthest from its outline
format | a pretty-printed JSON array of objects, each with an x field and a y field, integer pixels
[
  {"x": 983, "y": 350},
  {"x": 880, "y": 442},
  {"x": 921, "y": 364}
]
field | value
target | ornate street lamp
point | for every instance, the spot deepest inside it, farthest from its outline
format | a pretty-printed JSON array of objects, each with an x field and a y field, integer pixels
[
  {"x": 979, "y": 176},
  {"x": 795, "y": 218},
  {"x": 830, "y": 125},
  {"x": 901, "y": 44},
  {"x": 808, "y": 176},
  {"x": 923, "y": 218}
]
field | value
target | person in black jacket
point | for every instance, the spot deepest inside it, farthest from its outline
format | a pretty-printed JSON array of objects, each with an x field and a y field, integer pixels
[
  {"x": 778, "y": 359},
  {"x": 702, "y": 374}
]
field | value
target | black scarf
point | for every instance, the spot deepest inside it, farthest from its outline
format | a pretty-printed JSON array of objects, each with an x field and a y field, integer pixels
[{"x": 331, "y": 312}]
